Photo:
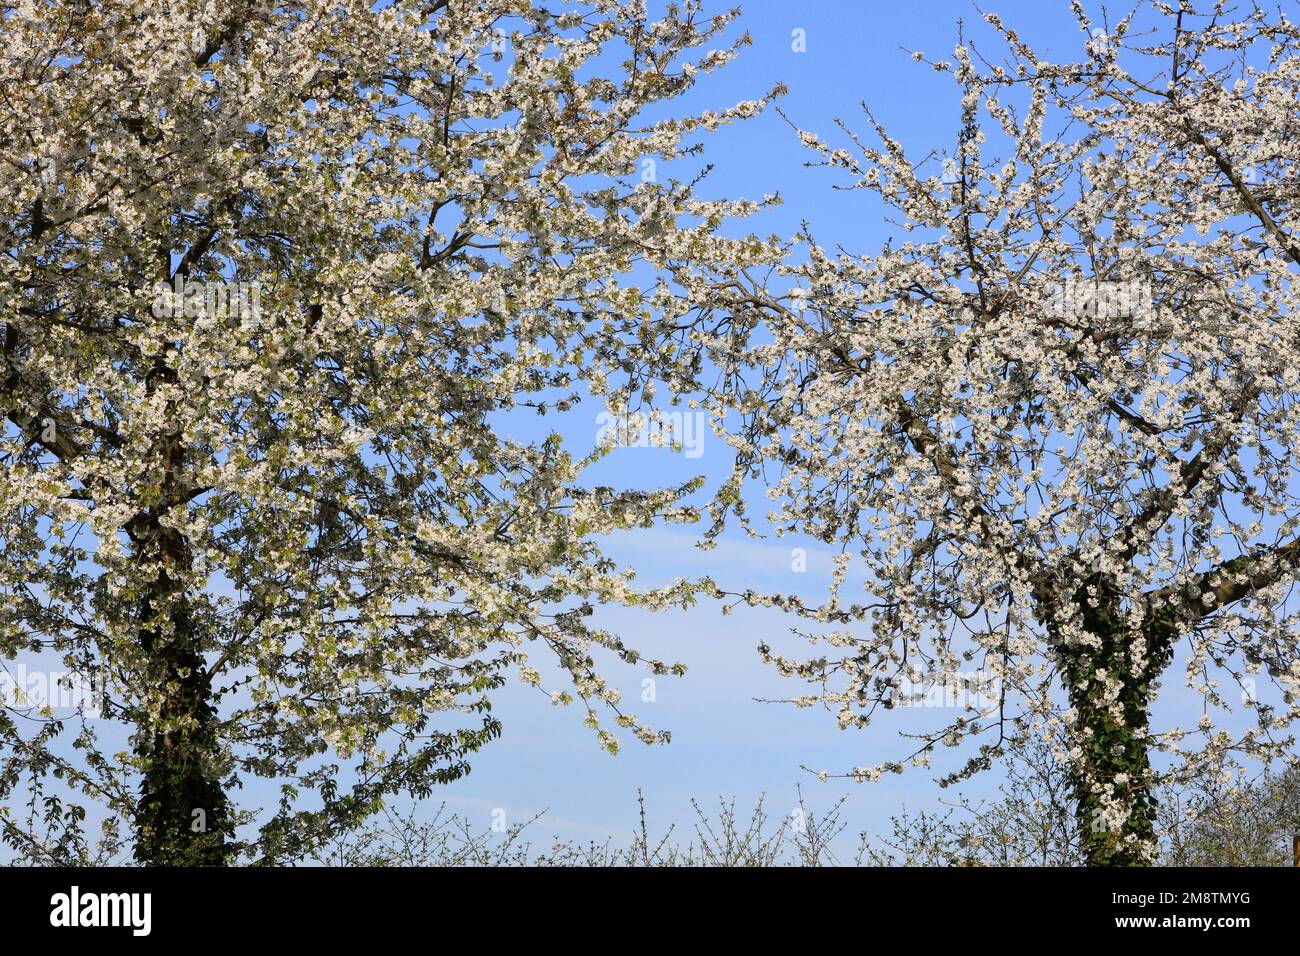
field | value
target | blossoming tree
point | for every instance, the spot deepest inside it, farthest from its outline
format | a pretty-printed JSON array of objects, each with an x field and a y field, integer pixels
[
  {"x": 271, "y": 275},
  {"x": 1053, "y": 422}
]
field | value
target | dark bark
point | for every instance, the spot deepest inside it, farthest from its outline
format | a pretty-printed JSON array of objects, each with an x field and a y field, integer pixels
[
  {"x": 1115, "y": 746},
  {"x": 183, "y": 817}
]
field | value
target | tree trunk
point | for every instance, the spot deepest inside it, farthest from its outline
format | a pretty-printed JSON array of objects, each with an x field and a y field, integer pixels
[
  {"x": 183, "y": 817},
  {"x": 1112, "y": 776}
]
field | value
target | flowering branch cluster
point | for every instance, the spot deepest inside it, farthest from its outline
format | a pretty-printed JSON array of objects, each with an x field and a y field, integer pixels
[
  {"x": 1034, "y": 468},
  {"x": 293, "y": 533}
]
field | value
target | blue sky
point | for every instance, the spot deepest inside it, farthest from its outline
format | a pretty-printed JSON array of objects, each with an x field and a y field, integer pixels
[{"x": 726, "y": 743}]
